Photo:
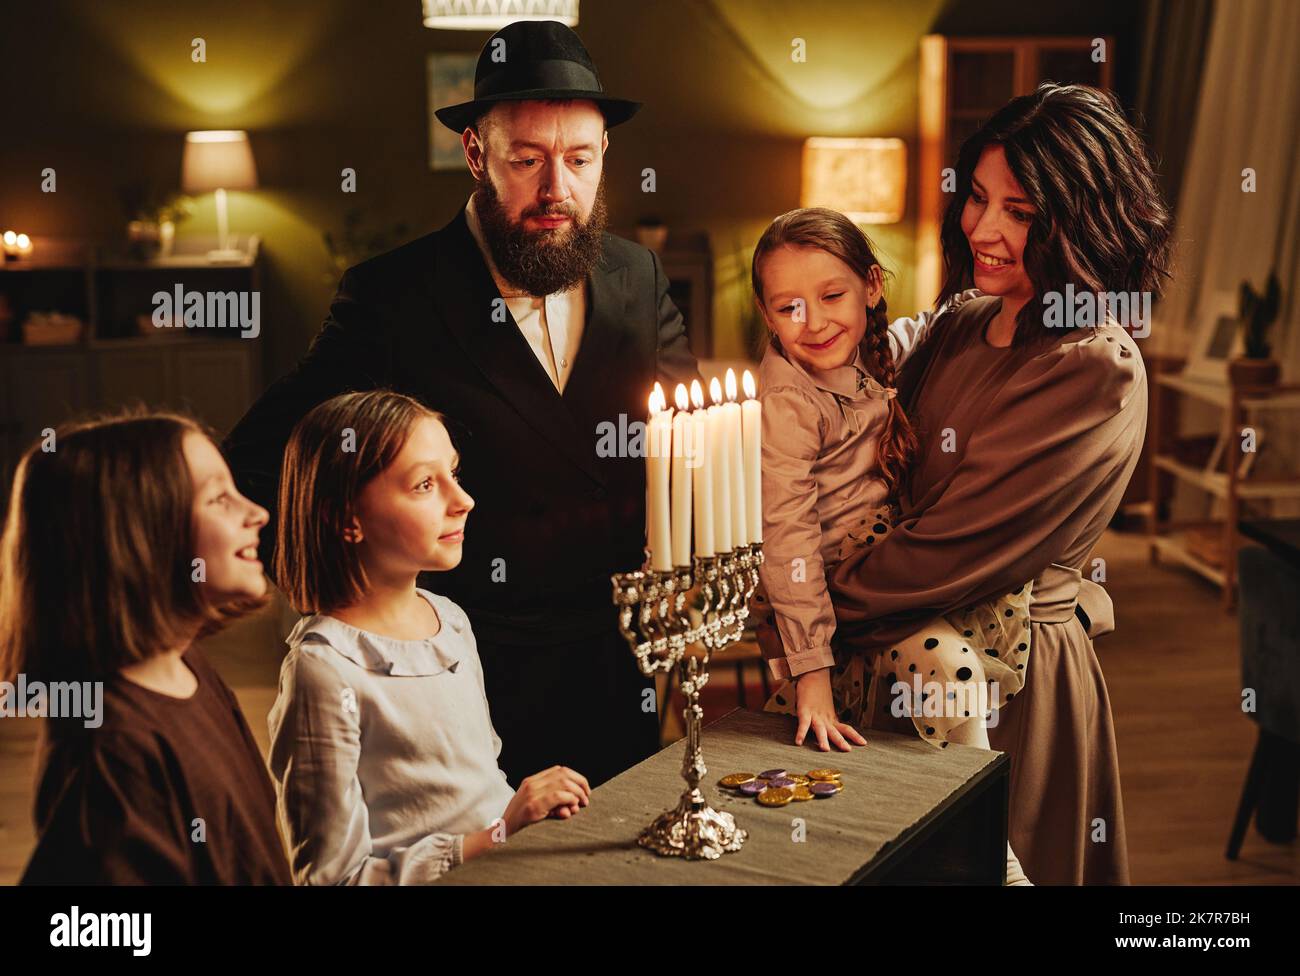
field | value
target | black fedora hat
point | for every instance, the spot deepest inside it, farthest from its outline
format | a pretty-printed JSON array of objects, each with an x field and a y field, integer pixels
[{"x": 531, "y": 60}]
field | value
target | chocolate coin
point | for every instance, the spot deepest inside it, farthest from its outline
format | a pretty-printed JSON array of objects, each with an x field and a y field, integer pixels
[
  {"x": 732, "y": 780},
  {"x": 776, "y": 796}
]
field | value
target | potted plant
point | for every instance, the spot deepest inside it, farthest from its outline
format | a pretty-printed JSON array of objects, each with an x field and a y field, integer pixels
[
  {"x": 356, "y": 244},
  {"x": 1257, "y": 312},
  {"x": 174, "y": 209},
  {"x": 152, "y": 216}
]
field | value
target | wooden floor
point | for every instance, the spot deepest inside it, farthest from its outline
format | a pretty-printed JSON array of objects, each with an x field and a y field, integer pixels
[{"x": 1172, "y": 668}]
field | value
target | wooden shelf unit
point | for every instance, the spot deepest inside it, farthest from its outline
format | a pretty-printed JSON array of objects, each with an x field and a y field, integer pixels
[
  {"x": 114, "y": 363},
  {"x": 1166, "y": 537}
]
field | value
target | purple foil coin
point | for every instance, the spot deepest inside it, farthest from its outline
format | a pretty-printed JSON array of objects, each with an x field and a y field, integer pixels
[
  {"x": 752, "y": 789},
  {"x": 820, "y": 790},
  {"x": 772, "y": 774},
  {"x": 782, "y": 781}
]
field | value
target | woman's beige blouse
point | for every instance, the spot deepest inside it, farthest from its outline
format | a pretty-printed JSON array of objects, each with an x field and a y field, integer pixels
[{"x": 1024, "y": 455}]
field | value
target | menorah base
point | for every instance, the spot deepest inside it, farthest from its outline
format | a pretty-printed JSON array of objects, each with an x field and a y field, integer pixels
[{"x": 693, "y": 830}]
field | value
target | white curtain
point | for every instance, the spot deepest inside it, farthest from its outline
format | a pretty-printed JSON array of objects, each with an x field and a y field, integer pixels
[{"x": 1246, "y": 119}]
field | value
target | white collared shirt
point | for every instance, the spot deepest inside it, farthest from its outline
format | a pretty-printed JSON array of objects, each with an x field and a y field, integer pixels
[{"x": 552, "y": 324}]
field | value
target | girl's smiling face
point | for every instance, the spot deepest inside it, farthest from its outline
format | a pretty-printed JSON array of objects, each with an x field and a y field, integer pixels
[
  {"x": 816, "y": 304},
  {"x": 226, "y": 526},
  {"x": 996, "y": 222},
  {"x": 411, "y": 516}
]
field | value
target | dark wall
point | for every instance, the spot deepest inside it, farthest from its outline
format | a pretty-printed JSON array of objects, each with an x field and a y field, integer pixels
[{"x": 103, "y": 90}]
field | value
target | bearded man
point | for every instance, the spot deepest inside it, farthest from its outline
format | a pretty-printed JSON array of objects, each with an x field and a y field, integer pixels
[{"x": 528, "y": 326}]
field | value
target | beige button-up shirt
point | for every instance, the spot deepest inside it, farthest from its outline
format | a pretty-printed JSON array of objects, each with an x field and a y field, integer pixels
[
  {"x": 821, "y": 429},
  {"x": 551, "y": 324}
]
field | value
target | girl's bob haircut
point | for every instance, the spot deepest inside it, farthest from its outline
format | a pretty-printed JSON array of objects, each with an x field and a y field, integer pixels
[{"x": 333, "y": 453}]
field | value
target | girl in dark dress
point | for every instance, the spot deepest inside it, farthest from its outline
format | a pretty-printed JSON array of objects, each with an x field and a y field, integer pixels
[{"x": 125, "y": 541}]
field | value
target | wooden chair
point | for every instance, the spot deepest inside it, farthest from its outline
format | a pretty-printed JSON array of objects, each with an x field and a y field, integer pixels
[{"x": 1270, "y": 666}]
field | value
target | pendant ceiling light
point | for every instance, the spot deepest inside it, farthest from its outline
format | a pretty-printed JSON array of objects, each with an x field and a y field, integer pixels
[{"x": 492, "y": 15}]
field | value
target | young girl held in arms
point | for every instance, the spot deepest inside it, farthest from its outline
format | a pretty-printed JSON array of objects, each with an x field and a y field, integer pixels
[{"x": 836, "y": 451}]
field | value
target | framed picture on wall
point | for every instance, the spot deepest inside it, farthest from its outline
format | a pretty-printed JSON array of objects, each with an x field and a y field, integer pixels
[
  {"x": 1216, "y": 339},
  {"x": 450, "y": 82}
]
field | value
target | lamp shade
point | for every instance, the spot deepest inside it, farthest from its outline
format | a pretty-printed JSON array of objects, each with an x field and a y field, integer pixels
[
  {"x": 864, "y": 179},
  {"x": 492, "y": 15},
  {"x": 217, "y": 160}
]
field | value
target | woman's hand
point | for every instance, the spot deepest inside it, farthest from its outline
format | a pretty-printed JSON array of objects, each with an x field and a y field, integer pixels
[
  {"x": 559, "y": 792},
  {"x": 816, "y": 707}
]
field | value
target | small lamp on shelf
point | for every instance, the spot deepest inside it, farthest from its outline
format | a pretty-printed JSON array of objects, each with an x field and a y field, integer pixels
[
  {"x": 864, "y": 179},
  {"x": 219, "y": 161}
]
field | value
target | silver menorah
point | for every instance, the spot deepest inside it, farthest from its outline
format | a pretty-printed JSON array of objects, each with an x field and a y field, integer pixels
[{"x": 650, "y": 616}]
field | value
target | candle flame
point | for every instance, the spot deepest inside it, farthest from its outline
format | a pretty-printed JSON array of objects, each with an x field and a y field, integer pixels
[
  {"x": 680, "y": 396},
  {"x": 23, "y": 240},
  {"x": 654, "y": 402},
  {"x": 10, "y": 238},
  {"x": 715, "y": 390},
  {"x": 751, "y": 390},
  {"x": 697, "y": 394},
  {"x": 731, "y": 384},
  {"x": 663, "y": 400}
]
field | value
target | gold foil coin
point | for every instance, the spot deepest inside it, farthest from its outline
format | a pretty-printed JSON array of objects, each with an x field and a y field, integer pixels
[
  {"x": 732, "y": 780},
  {"x": 823, "y": 774},
  {"x": 777, "y": 796}
]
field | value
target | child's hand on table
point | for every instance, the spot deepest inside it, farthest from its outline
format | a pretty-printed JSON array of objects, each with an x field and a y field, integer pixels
[
  {"x": 816, "y": 708},
  {"x": 556, "y": 792}
]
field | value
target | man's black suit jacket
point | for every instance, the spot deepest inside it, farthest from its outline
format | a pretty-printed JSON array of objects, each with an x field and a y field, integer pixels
[{"x": 552, "y": 519}]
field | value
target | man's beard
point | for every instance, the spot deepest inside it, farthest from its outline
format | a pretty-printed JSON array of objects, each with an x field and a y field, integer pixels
[{"x": 544, "y": 261}]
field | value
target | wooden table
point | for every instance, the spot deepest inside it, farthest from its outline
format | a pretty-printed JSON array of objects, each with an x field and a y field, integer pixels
[{"x": 910, "y": 813}]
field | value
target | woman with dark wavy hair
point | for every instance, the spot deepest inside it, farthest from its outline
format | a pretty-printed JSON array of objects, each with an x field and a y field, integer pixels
[{"x": 1028, "y": 434}]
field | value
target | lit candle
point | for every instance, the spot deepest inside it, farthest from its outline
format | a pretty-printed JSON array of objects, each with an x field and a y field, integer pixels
[
  {"x": 721, "y": 454},
  {"x": 735, "y": 464},
  {"x": 751, "y": 415},
  {"x": 703, "y": 478},
  {"x": 23, "y": 246},
  {"x": 681, "y": 490},
  {"x": 10, "y": 240},
  {"x": 658, "y": 458}
]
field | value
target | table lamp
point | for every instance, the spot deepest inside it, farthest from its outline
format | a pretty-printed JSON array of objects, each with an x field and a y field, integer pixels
[
  {"x": 220, "y": 161},
  {"x": 864, "y": 179}
]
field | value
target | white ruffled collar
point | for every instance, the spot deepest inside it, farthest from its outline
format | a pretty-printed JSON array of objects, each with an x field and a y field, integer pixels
[{"x": 388, "y": 655}]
